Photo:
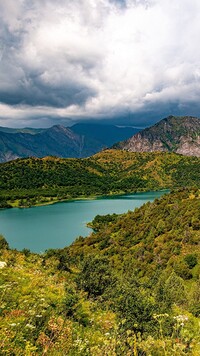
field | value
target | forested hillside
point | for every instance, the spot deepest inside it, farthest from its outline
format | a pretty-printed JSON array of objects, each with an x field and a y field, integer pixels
[
  {"x": 130, "y": 288},
  {"x": 33, "y": 181}
]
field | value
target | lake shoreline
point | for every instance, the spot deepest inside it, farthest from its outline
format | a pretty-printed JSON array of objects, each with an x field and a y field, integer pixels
[
  {"x": 81, "y": 197},
  {"x": 58, "y": 225}
]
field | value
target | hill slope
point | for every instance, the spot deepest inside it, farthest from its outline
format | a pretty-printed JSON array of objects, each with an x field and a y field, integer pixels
[
  {"x": 80, "y": 140},
  {"x": 130, "y": 288},
  {"x": 172, "y": 134},
  {"x": 34, "y": 180}
]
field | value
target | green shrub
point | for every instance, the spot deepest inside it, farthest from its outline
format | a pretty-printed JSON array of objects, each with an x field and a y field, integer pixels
[
  {"x": 191, "y": 260},
  {"x": 3, "y": 243}
]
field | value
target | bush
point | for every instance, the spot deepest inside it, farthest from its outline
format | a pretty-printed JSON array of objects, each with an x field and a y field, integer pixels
[
  {"x": 191, "y": 260},
  {"x": 3, "y": 243},
  {"x": 96, "y": 276}
]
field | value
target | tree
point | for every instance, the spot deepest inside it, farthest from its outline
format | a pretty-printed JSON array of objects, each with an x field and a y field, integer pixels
[
  {"x": 3, "y": 243},
  {"x": 96, "y": 276}
]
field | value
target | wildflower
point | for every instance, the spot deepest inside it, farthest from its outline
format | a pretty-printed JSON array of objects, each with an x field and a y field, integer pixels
[
  {"x": 181, "y": 318},
  {"x": 13, "y": 324},
  {"x": 3, "y": 264},
  {"x": 5, "y": 286},
  {"x": 31, "y": 311},
  {"x": 30, "y": 326},
  {"x": 158, "y": 316}
]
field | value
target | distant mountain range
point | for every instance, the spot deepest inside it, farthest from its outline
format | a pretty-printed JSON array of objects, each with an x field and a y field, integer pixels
[
  {"x": 172, "y": 134},
  {"x": 78, "y": 141}
]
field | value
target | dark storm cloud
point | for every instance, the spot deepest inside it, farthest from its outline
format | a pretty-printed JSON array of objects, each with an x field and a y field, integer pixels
[
  {"x": 34, "y": 92},
  {"x": 125, "y": 61}
]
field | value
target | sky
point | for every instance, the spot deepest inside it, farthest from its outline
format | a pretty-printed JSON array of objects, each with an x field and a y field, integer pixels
[{"x": 127, "y": 62}]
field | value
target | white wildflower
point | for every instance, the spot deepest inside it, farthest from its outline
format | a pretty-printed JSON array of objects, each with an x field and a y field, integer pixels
[
  {"x": 30, "y": 326},
  {"x": 3, "y": 264},
  {"x": 181, "y": 318}
]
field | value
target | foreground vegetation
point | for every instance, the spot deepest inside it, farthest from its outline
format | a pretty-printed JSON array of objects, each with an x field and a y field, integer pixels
[
  {"x": 33, "y": 181},
  {"x": 130, "y": 288}
]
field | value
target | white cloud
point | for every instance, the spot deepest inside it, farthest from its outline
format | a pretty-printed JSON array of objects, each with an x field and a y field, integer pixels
[{"x": 94, "y": 58}]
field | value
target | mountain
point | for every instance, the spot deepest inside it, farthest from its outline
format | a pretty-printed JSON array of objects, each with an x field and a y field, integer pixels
[
  {"x": 172, "y": 134},
  {"x": 104, "y": 133},
  {"x": 80, "y": 140},
  {"x": 30, "y": 130},
  {"x": 32, "y": 181}
]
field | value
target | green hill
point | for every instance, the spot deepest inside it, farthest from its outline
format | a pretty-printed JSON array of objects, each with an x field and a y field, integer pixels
[
  {"x": 130, "y": 288},
  {"x": 33, "y": 181}
]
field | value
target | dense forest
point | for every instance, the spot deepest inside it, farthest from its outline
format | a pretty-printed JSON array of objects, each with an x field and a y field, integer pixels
[
  {"x": 33, "y": 181},
  {"x": 130, "y": 288}
]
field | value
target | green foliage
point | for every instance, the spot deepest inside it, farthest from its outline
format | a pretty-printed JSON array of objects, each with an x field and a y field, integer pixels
[
  {"x": 3, "y": 243},
  {"x": 96, "y": 276},
  {"x": 130, "y": 288},
  {"x": 136, "y": 307},
  {"x": 26, "y": 252},
  {"x": 194, "y": 305},
  {"x": 33, "y": 181},
  {"x": 4, "y": 204},
  {"x": 191, "y": 260},
  {"x": 174, "y": 290},
  {"x": 102, "y": 220},
  {"x": 182, "y": 270},
  {"x": 63, "y": 257},
  {"x": 70, "y": 301}
]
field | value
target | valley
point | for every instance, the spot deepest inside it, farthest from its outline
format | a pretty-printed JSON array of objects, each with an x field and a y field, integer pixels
[
  {"x": 129, "y": 288},
  {"x": 99, "y": 178},
  {"x": 131, "y": 285}
]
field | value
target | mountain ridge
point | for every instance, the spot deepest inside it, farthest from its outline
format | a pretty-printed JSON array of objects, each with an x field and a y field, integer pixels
[
  {"x": 78, "y": 141},
  {"x": 172, "y": 134}
]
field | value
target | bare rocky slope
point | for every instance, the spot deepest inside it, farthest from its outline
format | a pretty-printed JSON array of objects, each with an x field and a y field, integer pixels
[{"x": 172, "y": 134}]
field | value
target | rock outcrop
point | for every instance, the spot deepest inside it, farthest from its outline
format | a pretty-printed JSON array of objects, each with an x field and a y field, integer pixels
[{"x": 172, "y": 134}]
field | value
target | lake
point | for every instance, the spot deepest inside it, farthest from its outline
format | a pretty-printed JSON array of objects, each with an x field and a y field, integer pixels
[{"x": 58, "y": 225}]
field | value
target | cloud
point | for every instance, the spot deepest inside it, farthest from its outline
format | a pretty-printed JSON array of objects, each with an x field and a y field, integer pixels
[{"x": 98, "y": 59}]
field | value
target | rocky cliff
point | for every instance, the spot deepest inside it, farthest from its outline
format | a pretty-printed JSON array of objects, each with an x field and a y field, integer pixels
[{"x": 172, "y": 134}]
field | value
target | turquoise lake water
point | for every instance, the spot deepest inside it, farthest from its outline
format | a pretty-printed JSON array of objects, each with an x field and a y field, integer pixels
[{"x": 58, "y": 225}]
